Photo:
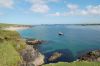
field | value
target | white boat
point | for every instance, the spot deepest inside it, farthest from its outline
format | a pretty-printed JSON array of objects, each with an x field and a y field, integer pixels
[{"x": 60, "y": 33}]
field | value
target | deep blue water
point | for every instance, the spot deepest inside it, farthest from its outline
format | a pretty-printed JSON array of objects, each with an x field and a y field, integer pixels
[{"x": 76, "y": 40}]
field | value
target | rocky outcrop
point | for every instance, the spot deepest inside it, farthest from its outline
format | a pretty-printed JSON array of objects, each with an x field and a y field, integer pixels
[
  {"x": 91, "y": 56},
  {"x": 55, "y": 56},
  {"x": 34, "y": 42},
  {"x": 31, "y": 57},
  {"x": 39, "y": 60},
  {"x": 61, "y": 55}
]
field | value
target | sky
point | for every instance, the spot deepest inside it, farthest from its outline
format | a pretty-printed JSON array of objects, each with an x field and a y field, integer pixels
[{"x": 50, "y": 11}]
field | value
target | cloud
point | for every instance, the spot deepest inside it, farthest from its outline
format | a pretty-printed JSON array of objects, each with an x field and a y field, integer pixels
[
  {"x": 55, "y": 14},
  {"x": 6, "y": 3},
  {"x": 74, "y": 10},
  {"x": 93, "y": 10},
  {"x": 54, "y": 0},
  {"x": 36, "y": 1},
  {"x": 90, "y": 10},
  {"x": 40, "y": 8},
  {"x": 72, "y": 7}
]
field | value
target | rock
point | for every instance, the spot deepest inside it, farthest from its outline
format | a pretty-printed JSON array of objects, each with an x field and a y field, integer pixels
[
  {"x": 55, "y": 56},
  {"x": 97, "y": 53},
  {"x": 98, "y": 59},
  {"x": 31, "y": 57},
  {"x": 34, "y": 42},
  {"x": 39, "y": 60},
  {"x": 61, "y": 55},
  {"x": 29, "y": 54},
  {"x": 91, "y": 56}
]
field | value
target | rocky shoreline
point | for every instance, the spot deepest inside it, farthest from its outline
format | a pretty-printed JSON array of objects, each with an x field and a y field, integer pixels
[
  {"x": 92, "y": 56},
  {"x": 31, "y": 56},
  {"x": 56, "y": 56}
]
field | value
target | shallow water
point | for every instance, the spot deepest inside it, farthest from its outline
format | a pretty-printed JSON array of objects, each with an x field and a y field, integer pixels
[{"x": 76, "y": 39}]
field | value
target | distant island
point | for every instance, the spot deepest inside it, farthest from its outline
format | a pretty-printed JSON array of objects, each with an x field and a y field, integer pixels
[{"x": 72, "y": 24}]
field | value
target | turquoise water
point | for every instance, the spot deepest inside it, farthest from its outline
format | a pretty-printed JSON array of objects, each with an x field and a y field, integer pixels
[{"x": 76, "y": 39}]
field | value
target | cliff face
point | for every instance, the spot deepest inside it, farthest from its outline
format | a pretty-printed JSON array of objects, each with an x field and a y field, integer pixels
[{"x": 31, "y": 57}]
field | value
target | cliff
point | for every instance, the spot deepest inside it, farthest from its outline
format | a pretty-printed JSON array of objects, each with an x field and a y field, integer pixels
[{"x": 15, "y": 52}]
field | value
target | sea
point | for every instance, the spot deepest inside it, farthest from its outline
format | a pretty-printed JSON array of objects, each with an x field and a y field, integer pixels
[{"x": 75, "y": 41}]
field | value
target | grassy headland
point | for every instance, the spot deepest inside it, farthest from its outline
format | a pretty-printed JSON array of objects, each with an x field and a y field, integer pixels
[
  {"x": 12, "y": 48},
  {"x": 10, "y": 45}
]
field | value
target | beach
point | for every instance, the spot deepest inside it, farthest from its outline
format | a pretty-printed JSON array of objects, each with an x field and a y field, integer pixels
[{"x": 14, "y": 28}]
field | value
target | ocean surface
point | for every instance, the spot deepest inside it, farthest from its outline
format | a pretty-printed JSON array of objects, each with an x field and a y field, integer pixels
[{"x": 76, "y": 40}]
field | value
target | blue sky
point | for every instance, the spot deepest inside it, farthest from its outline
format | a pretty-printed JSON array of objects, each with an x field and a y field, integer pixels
[{"x": 50, "y": 11}]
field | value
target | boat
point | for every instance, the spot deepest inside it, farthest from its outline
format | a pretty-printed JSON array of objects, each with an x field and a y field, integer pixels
[{"x": 60, "y": 33}]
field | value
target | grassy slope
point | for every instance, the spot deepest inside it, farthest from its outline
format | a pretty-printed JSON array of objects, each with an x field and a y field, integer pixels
[
  {"x": 10, "y": 45},
  {"x": 8, "y": 55},
  {"x": 74, "y": 64}
]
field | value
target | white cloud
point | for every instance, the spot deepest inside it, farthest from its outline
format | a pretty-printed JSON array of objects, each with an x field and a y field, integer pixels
[
  {"x": 93, "y": 10},
  {"x": 6, "y": 3},
  {"x": 54, "y": 0},
  {"x": 89, "y": 10},
  {"x": 36, "y": 1},
  {"x": 72, "y": 7},
  {"x": 55, "y": 14},
  {"x": 42, "y": 1},
  {"x": 40, "y": 8},
  {"x": 74, "y": 10}
]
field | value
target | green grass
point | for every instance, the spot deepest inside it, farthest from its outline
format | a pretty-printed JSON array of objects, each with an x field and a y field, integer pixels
[
  {"x": 74, "y": 64},
  {"x": 8, "y": 55},
  {"x": 10, "y": 46},
  {"x": 13, "y": 38}
]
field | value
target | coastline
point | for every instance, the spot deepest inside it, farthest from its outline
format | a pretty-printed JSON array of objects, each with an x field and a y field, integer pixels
[{"x": 32, "y": 56}]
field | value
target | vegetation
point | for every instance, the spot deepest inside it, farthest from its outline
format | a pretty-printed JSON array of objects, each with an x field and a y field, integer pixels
[
  {"x": 74, "y": 64},
  {"x": 5, "y": 25},
  {"x": 8, "y": 55},
  {"x": 10, "y": 46}
]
